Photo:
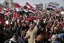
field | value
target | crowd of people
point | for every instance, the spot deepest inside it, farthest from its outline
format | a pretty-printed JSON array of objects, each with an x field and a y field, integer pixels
[{"x": 29, "y": 27}]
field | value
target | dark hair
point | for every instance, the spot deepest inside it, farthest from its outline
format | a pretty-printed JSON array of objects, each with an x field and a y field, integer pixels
[{"x": 15, "y": 34}]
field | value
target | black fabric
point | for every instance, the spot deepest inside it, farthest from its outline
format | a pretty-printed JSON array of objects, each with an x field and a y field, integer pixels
[{"x": 13, "y": 42}]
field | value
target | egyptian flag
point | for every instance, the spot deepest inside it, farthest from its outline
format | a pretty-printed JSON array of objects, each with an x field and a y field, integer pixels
[
  {"x": 29, "y": 8},
  {"x": 15, "y": 15},
  {"x": 17, "y": 7},
  {"x": 7, "y": 13},
  {"x": 25, "y": 8},
  {"x": 31, "y": 19},
  {"x": 28, "y": 5},
  {"x": 6, "y": 9},
  {"x": 51, "y": 6},
  {"x": 32, "y": 10}
]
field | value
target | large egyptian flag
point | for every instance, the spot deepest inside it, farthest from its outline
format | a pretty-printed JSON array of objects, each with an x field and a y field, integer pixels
[
  {"x": 7, "y": 11},
  {"x": 29, "y": 7},
  {"x": 17, "y": 7}
]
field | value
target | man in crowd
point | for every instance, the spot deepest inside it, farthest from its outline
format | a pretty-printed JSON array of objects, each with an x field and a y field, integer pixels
[
  {"x": 14, "y": 39},
  {"x": 31, "y": 33}
]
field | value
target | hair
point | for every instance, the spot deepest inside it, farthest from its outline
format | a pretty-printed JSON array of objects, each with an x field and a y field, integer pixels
[{"x": 15, "y": 34}]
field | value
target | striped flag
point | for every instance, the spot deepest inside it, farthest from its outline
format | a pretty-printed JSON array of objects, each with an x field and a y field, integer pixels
[
  {"x": 6, "y": 9},
  {"x": 17, "y": 7},
  {"x": 7, "y": 13},
  {"x": 15, "y": 15},
  {"x": 29, "y": 7},
  {"x": 51, "y": 6}
]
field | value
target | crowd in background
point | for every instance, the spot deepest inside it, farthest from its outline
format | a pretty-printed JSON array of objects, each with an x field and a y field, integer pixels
[{"x": 29, "y": 27}]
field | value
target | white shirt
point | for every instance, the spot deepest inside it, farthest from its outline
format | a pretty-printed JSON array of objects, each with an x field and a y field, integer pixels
[{"x": 32, "y": 34}]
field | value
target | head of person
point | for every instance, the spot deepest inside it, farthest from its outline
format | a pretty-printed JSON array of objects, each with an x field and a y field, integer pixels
[
  {"x": 31, "y": 25},
  {"x": 54, "y": 37},
  {"x": 15, "y": 36},
  {"x": 56, "y": 28}
]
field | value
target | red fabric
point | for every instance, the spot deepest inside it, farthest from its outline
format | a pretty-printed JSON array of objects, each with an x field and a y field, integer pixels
[
  {"x": 7, "y": 13},
  {"x": 31, "y": 9},
  {"x": 52, "y": 6},
  {"x": 0, "y": 10},
  {"x": 7, "y": 9},
  {"x": 33, "y": 18},
  {"x": 2, "y": 21},
  {"x": 49, "y": 5},
  {"x": 16, "y": 5},
  {"x": 28, "y": 19},
  {"x": 29, "y": 5},
  {"x": 15, "y": 15},
  {"x": 63, "y": 24}
]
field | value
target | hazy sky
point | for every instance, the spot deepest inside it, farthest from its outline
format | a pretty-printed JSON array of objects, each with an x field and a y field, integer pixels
[{"x": 33, "y": 2}]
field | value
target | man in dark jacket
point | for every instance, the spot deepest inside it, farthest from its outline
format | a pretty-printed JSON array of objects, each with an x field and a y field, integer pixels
[{"x": 14, "y": 39}]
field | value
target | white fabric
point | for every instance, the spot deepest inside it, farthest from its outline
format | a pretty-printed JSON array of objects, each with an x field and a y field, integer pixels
[
  {"x": 8, "y": 13},
  {"x": 12, "y": 40},
  {"x": 18, "y": 9},
  {"x": 57, "y": 14},
  {"x": 54, "y": 36},
  {"x": 32, "y": 34},
  {"x": 19, "y": 40}
]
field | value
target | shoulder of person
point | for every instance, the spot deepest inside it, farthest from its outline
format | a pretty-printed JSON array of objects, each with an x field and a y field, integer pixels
[{"x": 7, "y": 41}]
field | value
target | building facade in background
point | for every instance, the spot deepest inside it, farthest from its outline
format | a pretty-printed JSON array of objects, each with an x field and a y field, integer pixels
[{"x": 10, "y": 3}]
